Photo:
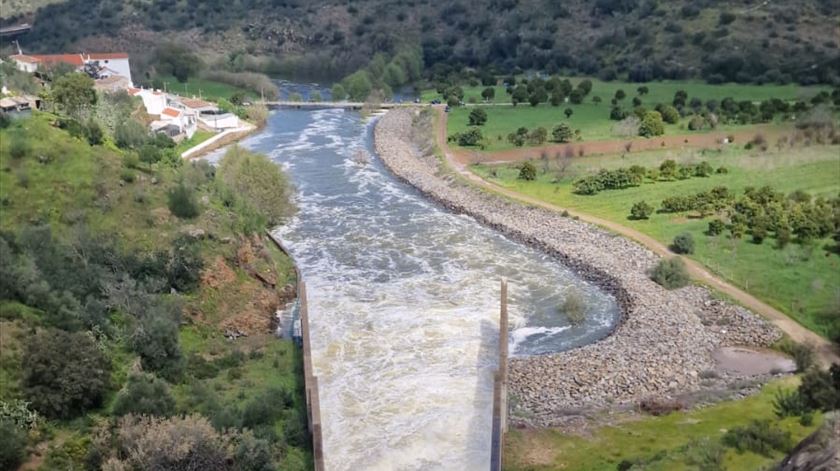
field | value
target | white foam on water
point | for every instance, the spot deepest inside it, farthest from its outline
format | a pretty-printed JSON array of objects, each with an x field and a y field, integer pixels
[{"x": 404, "y": 303}]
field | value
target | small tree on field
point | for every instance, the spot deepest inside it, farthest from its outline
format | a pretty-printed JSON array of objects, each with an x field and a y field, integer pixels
[
  {"x": 568, "y": 112},
  {"x": 528, "y": 172},
  {"x": 562, "y": 133},
  {"x": 683, "y": 243},
  {"x": 641, "y": 210},
  {"x": 477, "y": 117},
  {"x": 669, "y": 114},
  {"x": 652, "y": 125},
  {"x": 670, "y": 273},
  {"x": 488, "y": 94},
  {"x": 643, "y": 90},
  {"x": 716, "y": 227},
  {"x": 620, "y": 95},
  {"x": 519, "y": 95},
  {"x": 576, "y": 97}
]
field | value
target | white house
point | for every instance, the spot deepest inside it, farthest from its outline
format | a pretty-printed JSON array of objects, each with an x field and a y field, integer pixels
[
  {"x": 153, "y": 100},
  {"x": 209, "y": 114},
  {"x": 109, "y": 64},
  {"x": 184, "y": 120}
]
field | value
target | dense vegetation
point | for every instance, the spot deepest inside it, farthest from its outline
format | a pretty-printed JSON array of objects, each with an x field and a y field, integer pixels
[
  {"x": 120, "y": 267},
  {"x": 640, "y": 40}
]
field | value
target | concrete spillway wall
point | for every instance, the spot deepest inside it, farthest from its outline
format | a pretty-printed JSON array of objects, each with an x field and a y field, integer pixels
[
  {"x": 310, "y": 381},
  {"x": 500, "y": 388}
]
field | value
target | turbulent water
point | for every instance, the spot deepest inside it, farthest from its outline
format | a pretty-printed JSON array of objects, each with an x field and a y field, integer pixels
[{"x": 404, "y": 303}]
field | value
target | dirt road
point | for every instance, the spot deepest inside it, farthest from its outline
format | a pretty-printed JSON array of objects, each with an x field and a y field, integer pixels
[{"x": 825, "y": 350}]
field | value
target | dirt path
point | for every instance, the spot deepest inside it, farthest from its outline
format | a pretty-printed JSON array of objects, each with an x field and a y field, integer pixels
[{"x": 824, "y": 348}]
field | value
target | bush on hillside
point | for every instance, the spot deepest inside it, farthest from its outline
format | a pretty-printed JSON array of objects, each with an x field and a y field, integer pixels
[
  {"x": 130, "y": 134},
  {"x": 64, "y": 373},
  {"x": 803, "y": 355},
  {"x": 671, "y": 273},
  {"x": 789, "y": 404},
  {"x": 820, "y": 389},
  {"x": 528, "y": 172},
  {"x": 716, "y": 227},
  {"x": 144, "y": 394},
  {"x": 155, "y": 340},
  {"x": 683, "y": 243},
  {"x": 12, "y": 446},
  {"x": 258, "y": 182},
  {"x": 758, "y": 437},
  {"x": 182, "y": 202},
  {"x": 641, "y": 210}
]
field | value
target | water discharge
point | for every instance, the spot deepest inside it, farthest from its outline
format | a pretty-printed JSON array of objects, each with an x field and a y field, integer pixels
[{"x": 404, "y": 303}]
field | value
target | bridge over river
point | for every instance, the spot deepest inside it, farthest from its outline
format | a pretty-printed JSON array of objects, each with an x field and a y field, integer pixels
[{"x": 348, "y": 105}]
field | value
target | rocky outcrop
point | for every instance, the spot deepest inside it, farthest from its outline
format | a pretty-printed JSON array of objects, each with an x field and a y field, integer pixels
[
  {"x": 665, "y": 338},
  {"x": 819, "y": 452}
]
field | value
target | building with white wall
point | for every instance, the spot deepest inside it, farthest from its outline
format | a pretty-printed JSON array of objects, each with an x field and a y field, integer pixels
[{"x": 109, "y": 64}]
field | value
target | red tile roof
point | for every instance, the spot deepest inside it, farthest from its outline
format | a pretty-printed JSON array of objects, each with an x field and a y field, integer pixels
[
  {"x": 78, "y": 59},
  {"x": 195, "y": 103},
  {"x": 24, "y": 58},
  {"x": 171, "y": 112}
]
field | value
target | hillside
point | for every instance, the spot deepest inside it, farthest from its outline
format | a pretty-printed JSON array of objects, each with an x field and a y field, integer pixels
[{"x": 744, "y": 41}]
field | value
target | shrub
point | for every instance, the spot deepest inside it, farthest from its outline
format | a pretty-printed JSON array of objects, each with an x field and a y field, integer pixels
[
  {"x": 658, "y": 407},
  {"x": 670, "y": 273},
  {"x": 716, "y": 227},
  {"x": 12, "y": 446},
  {"x": 696, "y": 123},
  {"x": 706, "y": 454},
  {"x": 758, "y": 437},
  {"x": 64, "y": 374},
  {"x": 127, "y": 175},
  {"x": 821, "y": 389},
  {"x": 789, "y": 404},
  {"x": 652, "y": 124},
  {"x": 145, "y": 394},
  {"x": 252, "y": 454},
  {"x": 669, "y": 114},
  {"x": 562, "y": 133},
  {"x": 477, "y": 117},
  {"x": 130, "y": 134},
  {"x": 574, "y": 307},
  {"x": 259, "y": 182},
  {"x": 802, "y": 354},
  {"x": 182, "y": 202},
  {"x": 528, "y": 172},
  {"x": 537, "y": 136},
  {"x": 94, "y": 133},
  {"x": 683, "y": 243},
  {"x": 470, "y": 137},
  {"x": 155, "y": 340},
  {"x": 18, "y": 146},
  {"x": 176, "y": 443},
  {"x": 641, "y": 210}
]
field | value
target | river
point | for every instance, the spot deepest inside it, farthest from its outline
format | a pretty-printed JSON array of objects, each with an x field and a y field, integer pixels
[{"x": 404, "y": 302}]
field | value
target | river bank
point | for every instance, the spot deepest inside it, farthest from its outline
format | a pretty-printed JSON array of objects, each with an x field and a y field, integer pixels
[{"x": 663, "y": 346}]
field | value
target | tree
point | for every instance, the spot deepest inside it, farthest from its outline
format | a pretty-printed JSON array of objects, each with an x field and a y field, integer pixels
[
  {"x": 669, "y": 114},
  {"x": 537, "y": 136},
  {"x": 643, "y": 90},
  {"x": 641, "y": 210},
  {"x": 518, "y": 138},
  {"x": 528, "y": 172},
  {"x": 538, "y": 96},
  {"x": 668, "y": 169},
  {"x": 670, "y": 273},
  {"x": 130, "y": 134},
  {"x": 683, "y": 243},
  {"x": 652, "y": 125},
  {"x": 150, "y": 154},
  {"x": 576, "y": 97},
  {"x": 562, "y": 133},
  {"x": 144, "y": 394},
  {"x": 519, "y": 95},
  {"x": 585, "y": 86},
  {"x": 488, "y": 94},
  {"x": 358, "y": 85},
  {"x": 93, "y": 132},
  {"x": 470, "y": 137},
  {"x": 12, "y": 446},
  {"x": 680, "y": 98},
  {"x": 716, "y": 227},
  {"x": 620, "y": 95},
  {"x": 64, "y": 373},
  {"x": 568, "y": 112},
  {"x": 155, "y": 339},
  {"x": 74, "y": 94},
  {"x": 557, "y": 97},
  {"x": 176, "y": 60},
  {"x": 477, "y": 117},
  {"x": 337, "y": 92},
  {"x": 182, "y": 202}
]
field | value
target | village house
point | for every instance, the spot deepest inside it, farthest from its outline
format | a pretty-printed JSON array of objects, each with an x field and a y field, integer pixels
[
  {"x": 173, "y": 118},
  {"x": 209, "y": 115},
  {"x": 103, "y": 65}
]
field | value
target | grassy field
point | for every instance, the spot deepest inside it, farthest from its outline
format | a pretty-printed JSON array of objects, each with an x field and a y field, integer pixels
[
  {"x": 209, "y": 89},
  {"x": 670, "y": 442},
  {"x": 592, "y": 119},
  {"x": 801, "y": 281}
]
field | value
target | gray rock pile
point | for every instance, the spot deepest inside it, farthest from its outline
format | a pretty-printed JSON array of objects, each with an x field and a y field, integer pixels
[{"x": 665, "y": 338}]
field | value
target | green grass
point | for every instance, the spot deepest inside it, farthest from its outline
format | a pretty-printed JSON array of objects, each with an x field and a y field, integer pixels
[
  {"x": 197, "y": 138},
  {"x": 592, "y": 119},
  {"x": 801, "y": 282},
  {"x": 209, "y": 89},
  {"x": 663, "y": 442}
]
